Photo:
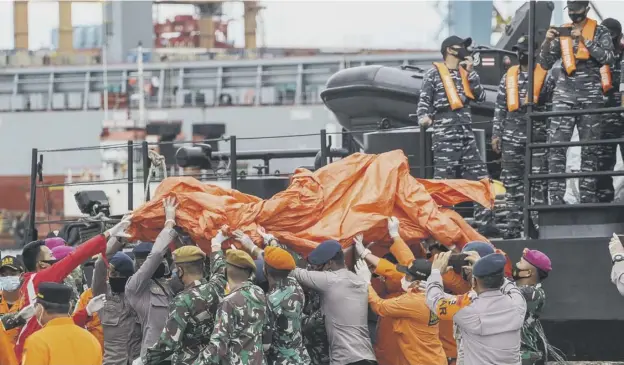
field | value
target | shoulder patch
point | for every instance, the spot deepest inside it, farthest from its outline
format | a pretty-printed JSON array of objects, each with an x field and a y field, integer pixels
[{"x": 433, "y": 319}]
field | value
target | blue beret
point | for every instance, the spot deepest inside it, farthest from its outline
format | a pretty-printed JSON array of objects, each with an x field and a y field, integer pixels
[
  {"x": 482, "y": 248},
  {"x": 489, "y": 265},
  {"x": 324, "y": 252},
  {"x": 122, "y": 264},
  {"x": 260, "y": 278},
  {"x": 142, "y": 249}
]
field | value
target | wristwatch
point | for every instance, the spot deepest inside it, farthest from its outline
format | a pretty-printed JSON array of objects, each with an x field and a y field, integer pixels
[{"x": 618, "y": 258}]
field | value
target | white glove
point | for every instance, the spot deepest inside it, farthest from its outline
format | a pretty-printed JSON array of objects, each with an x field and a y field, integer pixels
[
  {"x": 27, "y": 312},
  {"x": 361, "y": 269},
  {"x": 422, "y": 285},
  {"x": 137, "y": 361},
  {"x": 244, "y": 240},
  {"x": 360, "y": 250},
  {"x": 615, "y": 246},
  {"x": 95, "y": 304},
  {"x": 393, "y": 227},
  {"x": 119, "y": 230},
  {"x": 267, "y": 237},
  {"x": 217, "y": 241},
  {"x": 170, "y": 209}
]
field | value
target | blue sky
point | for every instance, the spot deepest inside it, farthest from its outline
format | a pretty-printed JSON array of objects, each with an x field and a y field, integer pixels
[{"x": 335, "y": 24}]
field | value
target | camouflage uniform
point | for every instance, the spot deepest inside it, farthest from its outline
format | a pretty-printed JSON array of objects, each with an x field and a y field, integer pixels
[
  {"x": 72, "y": 281},
  {"x": 191, "y": 318},
  {"x": 285, "y": 304},
  {"x": 533, "y": 338},
  {"x": 510, "y": 128},
  {"x": 612, "y": 127},
  {"x": 238, "y": 333},
  {"x": 455, "y": 152},
  {"x": 580, "y": 91}
]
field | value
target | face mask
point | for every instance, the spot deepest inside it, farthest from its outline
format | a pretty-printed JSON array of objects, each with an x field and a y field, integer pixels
[
  {"x": 523, "y": 58},
  {"x": 405, "y": 285},
  {"x": 516, "y": 273},
  {"x": 117, "y": 285},
  {"x": 465, "y": 275},
  {"x": 577, "y": 18},
  {"x": 9, "y": 283},
  {"x": 175, "y": 283}
]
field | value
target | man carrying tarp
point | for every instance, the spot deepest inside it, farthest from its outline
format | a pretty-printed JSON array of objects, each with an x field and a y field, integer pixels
[
  {"x": 447, "y": 91},
  {"x": 414, "y": 326}
]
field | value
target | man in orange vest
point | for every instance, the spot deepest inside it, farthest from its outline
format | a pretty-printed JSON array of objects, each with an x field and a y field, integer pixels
[
  {"x": 447, "y": 91},
  {"x": 612, "y": 123},
  {"x": 509, "y": 134},
  {"x": 583, "y": 48}
]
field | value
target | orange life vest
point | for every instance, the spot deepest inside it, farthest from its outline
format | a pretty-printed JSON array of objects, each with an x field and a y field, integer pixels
[
  {"x": 605, "y": 78},
  {"x": 449, "y": 85},
  {"x": 511, "y": 81},
  {"x": 567, "y": 47}
]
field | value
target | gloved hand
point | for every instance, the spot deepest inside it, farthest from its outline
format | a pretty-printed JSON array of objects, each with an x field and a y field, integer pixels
[
  {"x": 245, "y": 240},
  {"x": 217, "y": 241},
  {"x": 27, "y": 312},
  {"x": 422, "y": 285},
  {"x": 137, "y": 361},
  {"x": 268, "y": 238},
  {"x": 119, "y": 230},
  {"x": 170, "y": 210},
  {"x": 361, "y": 269},
  {"x": 393, "y": 227},
  {"x": 360, "y": 250},
  {"x": 615, "y": 246},
  {"x": 95, "y": 304}
]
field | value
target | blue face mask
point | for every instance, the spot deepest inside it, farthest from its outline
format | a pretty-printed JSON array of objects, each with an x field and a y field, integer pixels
[{"x": 9, "y": 283}]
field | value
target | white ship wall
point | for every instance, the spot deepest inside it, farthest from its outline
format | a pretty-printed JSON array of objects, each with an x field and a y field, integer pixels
[{"x": 20, "y": 132}]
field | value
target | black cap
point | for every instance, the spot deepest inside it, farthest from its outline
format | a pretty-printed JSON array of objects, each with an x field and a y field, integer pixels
[
  {"x": 54, "y": 293},
  {"x": 12, "y": 262},
  {"x": 455, "y": 41},
  {"x": 577, "y": 5},
  {"x": 614, "y": 26},
  {"x": 420, "y": 269}
]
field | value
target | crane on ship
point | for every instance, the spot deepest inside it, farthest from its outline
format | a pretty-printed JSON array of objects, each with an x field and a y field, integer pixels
[{"x": 207, "y": 10}]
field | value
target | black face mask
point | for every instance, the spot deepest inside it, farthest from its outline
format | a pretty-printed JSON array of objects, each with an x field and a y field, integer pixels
[
  {"x": 175, "y": 283},
  {"x": 515, "y": 273},
  {"x": 523, "y": 59},
  {"x": 117, "y": 285},
  {"x": 577, "y": 18}
]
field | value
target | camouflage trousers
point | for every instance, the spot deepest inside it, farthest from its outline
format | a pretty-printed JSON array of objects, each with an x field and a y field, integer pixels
[
  {"x": 513, "y": 170},
  {"x": 612, "y": 126},
  {"x": 560, "y": 130},
  {"x": 457, "y": 156}
]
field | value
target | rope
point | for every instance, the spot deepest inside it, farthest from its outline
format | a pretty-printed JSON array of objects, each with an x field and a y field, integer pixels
[{"x": 156, "y": 161}]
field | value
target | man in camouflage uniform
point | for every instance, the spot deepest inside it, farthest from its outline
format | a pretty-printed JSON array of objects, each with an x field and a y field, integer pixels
[
  {"x": 444, "y": 102},
  {"x": 241, "y": 321},
  {"x": 586, "y": 50},
  {"x": 509, "y": 136},
  {"x": 313, "y": 327},
  {"x": 191, "y": 318},
  {"x": 285, "y": 304},
  {"x": 613, "y": 123},
  {"x": 529, "y": 273}
]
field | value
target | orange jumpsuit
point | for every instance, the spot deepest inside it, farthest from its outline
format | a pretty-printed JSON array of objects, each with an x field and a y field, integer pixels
[
  {"x": 388, "y": 348},
  {"x": 4, "y": 309},
  {"x": 61, "y": 342},
  {"x": 7, "y": 354},
  {"x": 92, "y": 324}
]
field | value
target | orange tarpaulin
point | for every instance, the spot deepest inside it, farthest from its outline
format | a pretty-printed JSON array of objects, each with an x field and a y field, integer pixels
[{"x": 355, "y": 194}]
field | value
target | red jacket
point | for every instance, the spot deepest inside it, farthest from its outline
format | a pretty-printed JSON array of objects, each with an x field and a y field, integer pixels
[{"x": 56, "y": 274}]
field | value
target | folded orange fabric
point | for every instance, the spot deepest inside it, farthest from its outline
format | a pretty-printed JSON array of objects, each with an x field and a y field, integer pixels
[{"x": 352, "y": 195}]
